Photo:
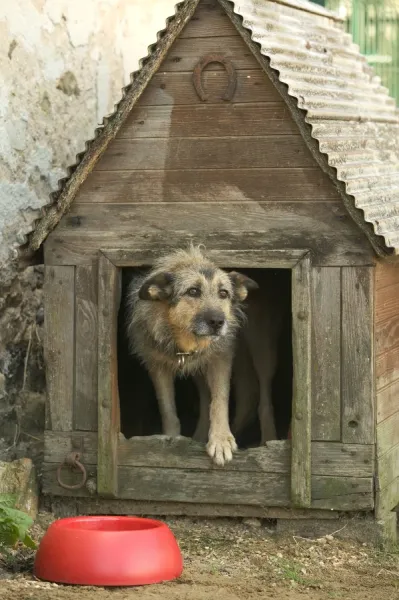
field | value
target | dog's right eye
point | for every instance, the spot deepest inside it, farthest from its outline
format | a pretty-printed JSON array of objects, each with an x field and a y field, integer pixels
[{"x": 194, "y": 292}]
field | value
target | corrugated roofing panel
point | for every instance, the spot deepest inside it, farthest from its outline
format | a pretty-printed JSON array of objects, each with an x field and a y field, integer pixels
[{"x": 351, "y": 115}]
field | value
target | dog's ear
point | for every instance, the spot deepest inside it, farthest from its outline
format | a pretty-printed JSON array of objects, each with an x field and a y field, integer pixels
[
  {"x": 242, "y": 285},
  {"x": 158, "y": 287}
]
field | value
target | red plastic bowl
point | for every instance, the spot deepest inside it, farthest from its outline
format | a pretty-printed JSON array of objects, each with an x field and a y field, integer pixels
[{"x": 108, "y": 551}]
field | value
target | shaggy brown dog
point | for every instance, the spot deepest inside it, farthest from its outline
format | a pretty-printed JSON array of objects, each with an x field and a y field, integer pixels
[{"x": 183, "y": 319}]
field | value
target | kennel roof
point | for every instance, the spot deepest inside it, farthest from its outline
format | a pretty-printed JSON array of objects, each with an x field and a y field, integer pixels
[{"x": 347, "y": 118}]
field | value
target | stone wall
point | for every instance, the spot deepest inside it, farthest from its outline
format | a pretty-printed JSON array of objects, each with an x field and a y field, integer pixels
[{"x": 62, "y": 66}]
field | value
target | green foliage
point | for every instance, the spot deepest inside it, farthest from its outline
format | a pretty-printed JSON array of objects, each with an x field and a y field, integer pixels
[{"x": 14, "y": 523}]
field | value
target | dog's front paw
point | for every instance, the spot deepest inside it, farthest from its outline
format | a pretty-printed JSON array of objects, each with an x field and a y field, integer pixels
[{"x": 220, "y": 447}]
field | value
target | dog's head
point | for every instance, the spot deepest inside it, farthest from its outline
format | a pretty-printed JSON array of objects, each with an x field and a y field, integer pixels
[{"x": 201, "y": 301}]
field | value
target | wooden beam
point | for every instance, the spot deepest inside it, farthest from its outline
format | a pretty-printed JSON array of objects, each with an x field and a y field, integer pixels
[
  {"x": 302, "y": 386},
  {"x": 85, "y": 405},
  {"x": 59, "y": 332},
  {"x": 108, "y": 396},
  {"x": 328, "y": 458},
  {"x": 357, "y": 333},
  {"x": 244, "y": 258}
]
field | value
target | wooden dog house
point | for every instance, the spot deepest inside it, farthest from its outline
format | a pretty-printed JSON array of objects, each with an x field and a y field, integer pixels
[{"x": 258, "y": 130}]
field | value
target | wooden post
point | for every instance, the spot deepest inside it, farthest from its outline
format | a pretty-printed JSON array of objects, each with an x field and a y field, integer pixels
[
  {"x": 108, "y": 396},
  {"x": 302, "y": 389}
]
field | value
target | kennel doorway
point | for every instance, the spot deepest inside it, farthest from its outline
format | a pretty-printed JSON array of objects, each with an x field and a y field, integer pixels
[
  {"x": 139, "y": 409},
  {"x": 143, "y": 468}
]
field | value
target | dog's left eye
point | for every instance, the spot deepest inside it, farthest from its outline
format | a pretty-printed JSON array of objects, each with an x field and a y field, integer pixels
[
  {"x": 194, "y": 292},
  {"x": 223, "y": 294}
]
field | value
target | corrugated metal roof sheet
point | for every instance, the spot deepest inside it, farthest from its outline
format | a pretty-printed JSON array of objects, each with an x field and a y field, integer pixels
[{"x": 351, "y": 116}]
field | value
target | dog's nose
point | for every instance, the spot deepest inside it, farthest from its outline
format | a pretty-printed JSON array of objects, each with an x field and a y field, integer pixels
[{"x": 215, "y": 320}]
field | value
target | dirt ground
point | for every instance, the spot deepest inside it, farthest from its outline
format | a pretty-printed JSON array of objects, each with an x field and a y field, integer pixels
[{"x": 236, "y": 561}]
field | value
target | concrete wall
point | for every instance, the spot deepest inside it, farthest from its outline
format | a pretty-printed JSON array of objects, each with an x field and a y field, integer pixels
[{"x": 62, "y": 66}]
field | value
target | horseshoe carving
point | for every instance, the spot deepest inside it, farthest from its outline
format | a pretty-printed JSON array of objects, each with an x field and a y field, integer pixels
[{"x": 231, "y": 73}]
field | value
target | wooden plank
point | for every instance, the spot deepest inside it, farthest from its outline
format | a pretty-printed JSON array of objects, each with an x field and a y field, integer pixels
[
  {"x": 173, "y": 89},
  {"x": 388, "y": 467},
  {"x": 388, "y": 434},
  {"x": 343, "y": 493},
  {"x": 253, "y": 258},
  {"x": 206, "y": 153},
  {"x": 328, "y": 458},
  {"x": 215, "y": 185},
  {"x": 108, "y": 397},
  {"x": 387, "y": 335},
  {"x": 302, "y": 385},
  {"x": 209, "y": 120},
  {"x": 387, "y": 368},
  {"x": 387, "y": 401},
  {"x": 388, "y": 498},
  {"x": 386, "y": 274},
  {"x": 85, "y": 406},
  {"x": 387, "y": 304},
  {"x": 326, "y": 341},
  {"x": 357, "y": 355},
  {"x": 62, "y": 507},
  {"x": 325, "y": 228},
  {"x": 209, "y": 20},
  {"x": 59, "y": 330},
  {"x": 185, "y": 54},
  {"x": 221, "y": 487}
]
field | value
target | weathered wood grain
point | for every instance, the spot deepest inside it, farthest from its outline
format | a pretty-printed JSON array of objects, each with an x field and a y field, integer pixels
[
  {"x": 387, "y": 304},
  {"x": 62, "y": 507},
  {"x": 387, "y": 401},
  {"x": 387, "y": 368},
  {"x": 328, "y": 458},
  {"x": 253, "y": 258},
  {"x": 108, "y": 396},
  {"x": 206, "y": 153},
  {"x": 388, "y": 434},
  {"x": 388, "y": 467},
  {"x": 85, "y": 405},
  {"x": 218, "y": 486},
  {"x": 172, "y": 89},
  {"x": 387, "y": 335},
  {"x": 302, "y": 383},
  {"x": 326, "y": 354},
  {"x": 214, "y": 185},
  {"x": 209, "y": 120},
  {"x": 388, "y": 498},
  {"x": 357, "y": 355},
  {"x": 324, "y": 228},
  {"x": 59, "y": 330},
  {"x": 185, "y": 54},
  {"x": 209, "y": 20},
  {"x": 386, "y": 274}
]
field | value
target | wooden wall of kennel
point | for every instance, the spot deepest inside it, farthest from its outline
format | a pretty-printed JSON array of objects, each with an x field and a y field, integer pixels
[{"x": 238, "y": 176}]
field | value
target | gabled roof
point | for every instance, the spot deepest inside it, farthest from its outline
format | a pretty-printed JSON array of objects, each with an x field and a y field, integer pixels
[{"x": 346, "y": 117}]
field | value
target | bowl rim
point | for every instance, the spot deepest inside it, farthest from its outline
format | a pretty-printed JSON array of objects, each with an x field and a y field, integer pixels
[{"x": 69, "y": 523}]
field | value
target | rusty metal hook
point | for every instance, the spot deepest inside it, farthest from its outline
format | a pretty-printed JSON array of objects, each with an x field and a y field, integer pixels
[
  {"x": 72, "y": 460},
  {"x": 231, "y": 73}
]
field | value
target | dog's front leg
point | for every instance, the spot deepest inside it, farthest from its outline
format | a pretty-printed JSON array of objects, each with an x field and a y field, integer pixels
[
  {"x": 221, "y": 442},
  {"x": 163, "y": 381}
]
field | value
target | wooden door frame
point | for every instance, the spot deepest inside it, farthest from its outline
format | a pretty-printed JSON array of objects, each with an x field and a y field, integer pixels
[{"x": 300, "y": 262}]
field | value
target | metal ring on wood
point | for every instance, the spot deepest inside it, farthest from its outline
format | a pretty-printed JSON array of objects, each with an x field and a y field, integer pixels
[
  {"x": 72, "y": 461},
  {"x": 231, "y": 73}
]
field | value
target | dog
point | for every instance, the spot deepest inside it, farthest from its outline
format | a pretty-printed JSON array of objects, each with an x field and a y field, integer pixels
[{"x": 183, "y": 319}]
